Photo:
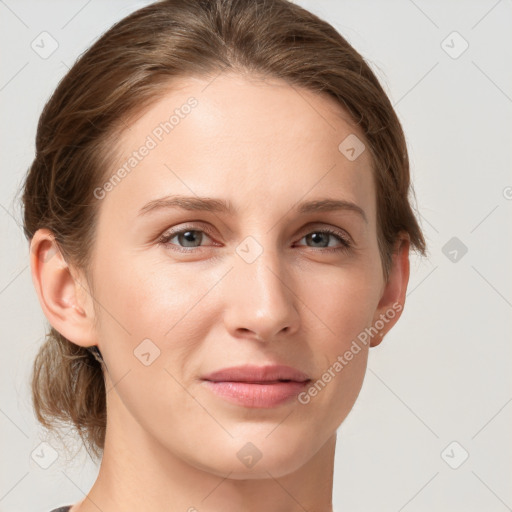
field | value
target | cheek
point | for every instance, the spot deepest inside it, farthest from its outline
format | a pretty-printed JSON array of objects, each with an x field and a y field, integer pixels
[
  {"x": 149, "y": 329},
  {"x": 342, "y": 303},
  {"x": 141, "y": 291},
  {"x": 143, "y": 298}
]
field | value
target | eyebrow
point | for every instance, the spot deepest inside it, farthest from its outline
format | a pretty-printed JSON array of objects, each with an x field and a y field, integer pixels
[{"x": 207, "y": 204}]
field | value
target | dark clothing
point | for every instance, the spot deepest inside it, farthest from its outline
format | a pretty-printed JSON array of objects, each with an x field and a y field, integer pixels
[{"x": 61, "y": 509}]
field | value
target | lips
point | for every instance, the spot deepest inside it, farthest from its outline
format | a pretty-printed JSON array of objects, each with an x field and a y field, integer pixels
[
  {"x": 257, "y": 387},
  {"x": 257, "y": 374}
]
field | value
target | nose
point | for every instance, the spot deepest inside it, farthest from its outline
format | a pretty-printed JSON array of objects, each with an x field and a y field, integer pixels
[{"x": 260, "y": 303}]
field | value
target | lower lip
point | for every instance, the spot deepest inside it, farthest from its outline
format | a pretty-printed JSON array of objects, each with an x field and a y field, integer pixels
[{"x": 253, "y": 395}]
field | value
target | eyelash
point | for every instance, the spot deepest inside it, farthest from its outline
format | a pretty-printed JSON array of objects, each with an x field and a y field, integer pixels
[{"x": 166, "y": 237}]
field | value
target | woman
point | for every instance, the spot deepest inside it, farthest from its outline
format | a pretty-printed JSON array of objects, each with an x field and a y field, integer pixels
[{"x": 220, "y": 230}]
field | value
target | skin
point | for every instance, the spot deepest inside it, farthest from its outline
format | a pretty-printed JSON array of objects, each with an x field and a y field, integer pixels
[{"x": 171, "y": 444}]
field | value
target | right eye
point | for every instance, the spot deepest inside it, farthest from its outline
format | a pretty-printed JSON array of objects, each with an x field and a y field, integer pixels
[{"x": 186, "y": 236}]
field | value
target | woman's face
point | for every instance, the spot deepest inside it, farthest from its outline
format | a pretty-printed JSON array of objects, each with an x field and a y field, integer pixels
[{"x": 181, "y": 292}]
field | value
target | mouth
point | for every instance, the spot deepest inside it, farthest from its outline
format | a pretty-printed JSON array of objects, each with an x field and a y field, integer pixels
[
  {"x": 257, "y": 387},
  {"x": 258, "y": 374}
]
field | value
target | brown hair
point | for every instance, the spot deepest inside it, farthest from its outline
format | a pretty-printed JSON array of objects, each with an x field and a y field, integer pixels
[{"x": 126, "y": 70}]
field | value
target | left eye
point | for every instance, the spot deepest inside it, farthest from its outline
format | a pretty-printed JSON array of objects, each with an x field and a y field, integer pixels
[{"x": 324, "y": 237}]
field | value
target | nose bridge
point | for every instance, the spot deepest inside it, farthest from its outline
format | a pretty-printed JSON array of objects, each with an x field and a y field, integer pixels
[{"x": 260, "y": 292}]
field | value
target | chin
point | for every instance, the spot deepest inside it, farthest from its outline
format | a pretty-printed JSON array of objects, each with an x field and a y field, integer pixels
[{"x": 258, "y": 456}]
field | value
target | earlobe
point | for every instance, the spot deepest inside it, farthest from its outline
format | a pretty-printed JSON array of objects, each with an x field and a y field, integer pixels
[
  {"x": 392, "y": 300},
  {"x": 62, "y": 296}
]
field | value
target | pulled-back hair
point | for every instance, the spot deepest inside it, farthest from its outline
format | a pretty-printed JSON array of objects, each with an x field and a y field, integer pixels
[{"x": 130, "y": 67}]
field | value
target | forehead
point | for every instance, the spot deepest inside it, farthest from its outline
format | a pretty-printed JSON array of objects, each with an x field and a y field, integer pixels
[{"x": 245, "y": 138}]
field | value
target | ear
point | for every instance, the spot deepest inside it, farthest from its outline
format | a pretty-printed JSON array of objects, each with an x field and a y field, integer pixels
[
  {"x": 63, "y": 295},
  {"x": 392, "y": 300}
]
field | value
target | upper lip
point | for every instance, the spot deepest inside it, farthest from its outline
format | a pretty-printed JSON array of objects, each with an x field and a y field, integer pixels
[{"x": 248, "y": 373}]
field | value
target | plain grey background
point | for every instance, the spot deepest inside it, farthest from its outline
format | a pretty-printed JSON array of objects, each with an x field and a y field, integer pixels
[{"x": 431, "y": 427}]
